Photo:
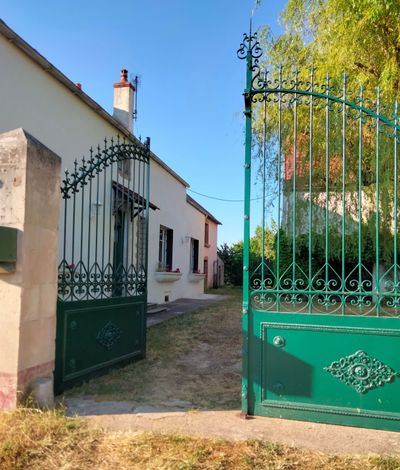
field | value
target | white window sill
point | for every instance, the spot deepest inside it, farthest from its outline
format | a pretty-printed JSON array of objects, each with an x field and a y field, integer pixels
[
  {"x": 193, "y": 277},
  {"x": 162, "y": 276}
]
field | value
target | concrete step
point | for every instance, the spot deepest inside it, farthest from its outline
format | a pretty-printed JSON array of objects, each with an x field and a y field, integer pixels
[{"x": 153, "y": 309}]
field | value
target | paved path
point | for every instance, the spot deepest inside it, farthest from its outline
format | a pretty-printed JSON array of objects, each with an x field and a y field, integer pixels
[
  {"x": 175, "y": 417},
  {"x": 181, "y": 306}
]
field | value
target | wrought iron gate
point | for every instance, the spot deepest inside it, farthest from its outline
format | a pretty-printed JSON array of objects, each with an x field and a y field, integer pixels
[
  {"x": 321, "y": 314},
  {"x": 102, "y": 280}
]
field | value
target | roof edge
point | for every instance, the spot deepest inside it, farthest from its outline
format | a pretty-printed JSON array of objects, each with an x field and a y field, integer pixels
[
  {"x": 201, "y": 209},
  {"x": 48, "y": 67}
]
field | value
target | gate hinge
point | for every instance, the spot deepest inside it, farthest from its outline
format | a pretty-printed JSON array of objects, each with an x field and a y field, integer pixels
[{"x": 245, "y": 311}]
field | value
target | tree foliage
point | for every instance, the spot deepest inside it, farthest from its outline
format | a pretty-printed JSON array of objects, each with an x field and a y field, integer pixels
[
  {"x": 361, "y": 37},
  {"x": 232, "y": 255}
]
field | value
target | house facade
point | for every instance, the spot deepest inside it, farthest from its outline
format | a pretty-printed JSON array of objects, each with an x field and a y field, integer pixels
[{"x": 36, "y": 96}]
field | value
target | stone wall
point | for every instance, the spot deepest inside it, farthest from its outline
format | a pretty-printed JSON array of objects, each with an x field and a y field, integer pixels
[{"x": 29, "y": 202}]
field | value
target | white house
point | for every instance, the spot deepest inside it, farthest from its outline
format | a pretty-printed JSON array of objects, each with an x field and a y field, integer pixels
[{"x": 36, "y": 96}]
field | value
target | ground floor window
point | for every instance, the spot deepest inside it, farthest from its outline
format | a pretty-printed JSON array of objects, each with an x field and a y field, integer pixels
[
  {"x": 165, "y": 248},
  {"x": 194, "y": 255}
]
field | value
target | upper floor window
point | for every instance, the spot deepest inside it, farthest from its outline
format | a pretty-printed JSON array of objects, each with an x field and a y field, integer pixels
[
  {"x": 206, "y": 234},
  {"x": 124, "y": 168}
]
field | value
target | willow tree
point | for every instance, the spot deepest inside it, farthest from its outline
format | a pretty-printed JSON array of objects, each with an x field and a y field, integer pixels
[
  {"x": 361, "y": 37},
  {"x": 349, "y": 49}
]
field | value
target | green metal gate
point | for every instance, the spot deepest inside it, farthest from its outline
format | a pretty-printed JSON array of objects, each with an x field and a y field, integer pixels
[
  {"x": 102, "y": 280},
  {"x": 321, "y": 315}
]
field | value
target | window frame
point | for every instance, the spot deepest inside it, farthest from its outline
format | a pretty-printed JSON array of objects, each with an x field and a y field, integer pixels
[
  {"x": 194, "y": 255},
  {"x": 165, "y": 248},
  {"x": 207, "y": 234}
]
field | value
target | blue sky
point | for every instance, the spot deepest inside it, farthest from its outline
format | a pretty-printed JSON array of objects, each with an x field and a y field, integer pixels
[{"x": 190, "y": 98}]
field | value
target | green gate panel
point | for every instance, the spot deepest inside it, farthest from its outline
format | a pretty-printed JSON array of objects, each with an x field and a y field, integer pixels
[
  {"x": 339, "y": 370},
  {"x": 321, "y": 285},
  {"x": 102, "y": 271},
  {"x": 93, "y": 335}
]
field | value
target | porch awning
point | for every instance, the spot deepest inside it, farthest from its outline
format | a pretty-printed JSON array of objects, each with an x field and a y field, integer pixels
[{"x": 126, "y": 199}]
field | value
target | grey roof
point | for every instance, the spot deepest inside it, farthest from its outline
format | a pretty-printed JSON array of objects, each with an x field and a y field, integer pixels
[
  {"x": 200, "y": 208},
  {"x": 40, "y": 60}
]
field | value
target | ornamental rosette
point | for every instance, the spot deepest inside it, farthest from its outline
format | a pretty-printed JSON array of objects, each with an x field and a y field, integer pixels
[
  {"x": 361, "y": 372},
  {"x": 108, "y": 335}
]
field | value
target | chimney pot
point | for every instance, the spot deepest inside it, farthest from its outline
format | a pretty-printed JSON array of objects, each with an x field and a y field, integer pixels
[
  {"x": 78, "y": 85},
  {"x": 124, "y": 75}
]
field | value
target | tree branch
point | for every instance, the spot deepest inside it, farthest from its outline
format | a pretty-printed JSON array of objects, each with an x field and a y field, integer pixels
[{"x": 367, "y": 69}]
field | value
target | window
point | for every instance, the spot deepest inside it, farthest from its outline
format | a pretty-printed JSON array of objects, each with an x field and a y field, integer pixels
[
  {"x": 194, "y": 255},
  {"x": 165, "y": 248},
  {"x": 206, "y": 235},
  {"x": 124, "y": 168}
]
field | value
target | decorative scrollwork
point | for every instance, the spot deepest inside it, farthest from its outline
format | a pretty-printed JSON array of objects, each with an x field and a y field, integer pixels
[
  {"x": 249, "y": 44},
  {"x": 77, "y": 282},
  {"x": 102, "y": 158},
  {"x": 361, "y": 372}
]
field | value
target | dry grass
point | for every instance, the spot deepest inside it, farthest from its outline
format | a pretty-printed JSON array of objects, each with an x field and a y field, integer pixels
[
  {"x": 195, "y": 357},
  {"x": 35, "y": 440}
]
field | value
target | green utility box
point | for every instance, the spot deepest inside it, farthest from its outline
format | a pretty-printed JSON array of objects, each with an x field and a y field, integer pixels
[{"x": 8, "y": 249}]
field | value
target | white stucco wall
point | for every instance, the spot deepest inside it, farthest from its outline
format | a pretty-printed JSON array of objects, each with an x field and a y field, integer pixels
[
  {"x": 186, "y": 222},
  {"x": 34, "y": 100}
]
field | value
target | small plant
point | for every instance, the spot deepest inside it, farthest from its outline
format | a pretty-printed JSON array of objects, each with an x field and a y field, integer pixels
[{"x": 165, "y": 268}]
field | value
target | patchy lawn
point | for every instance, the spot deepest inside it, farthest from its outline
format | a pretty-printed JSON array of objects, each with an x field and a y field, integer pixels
[
  {"x": 194, "y": 358},
  {"x": 35, "y": 440}
]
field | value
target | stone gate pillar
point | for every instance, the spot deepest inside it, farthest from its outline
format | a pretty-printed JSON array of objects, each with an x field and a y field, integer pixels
[{"x": 29, "y": 202}]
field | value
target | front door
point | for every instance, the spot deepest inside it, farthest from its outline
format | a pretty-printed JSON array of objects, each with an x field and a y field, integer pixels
[{"x": 205, "y": 271}]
